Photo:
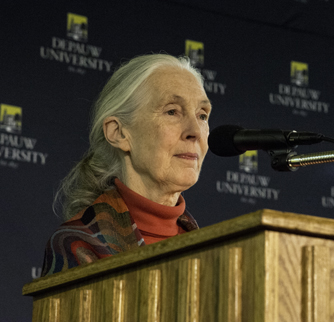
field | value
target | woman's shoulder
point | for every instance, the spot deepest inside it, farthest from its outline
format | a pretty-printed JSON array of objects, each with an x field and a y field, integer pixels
[
  {"x": 112, "y": 198},
  {"x": 110, "y": 201},
  {"x": 103, "y": 229}
]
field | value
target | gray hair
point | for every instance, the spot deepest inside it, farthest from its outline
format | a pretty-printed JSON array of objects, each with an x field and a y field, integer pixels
[{"x": 121, "y": 97}]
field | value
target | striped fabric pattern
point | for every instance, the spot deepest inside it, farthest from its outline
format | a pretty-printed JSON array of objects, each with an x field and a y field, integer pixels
[{"x": 104, "y": 229}]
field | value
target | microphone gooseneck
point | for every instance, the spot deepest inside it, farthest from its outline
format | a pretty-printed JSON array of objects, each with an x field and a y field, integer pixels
[{"x": 304, "y": 160}]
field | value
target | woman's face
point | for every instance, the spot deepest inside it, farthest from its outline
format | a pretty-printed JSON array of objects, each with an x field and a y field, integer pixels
[{"x": 168, "y": 140}]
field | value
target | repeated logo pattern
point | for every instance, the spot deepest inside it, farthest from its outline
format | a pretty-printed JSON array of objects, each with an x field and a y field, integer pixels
[
  {"x": 195, "y": 51},
  {"x": 77, "y": 27},
  {"x": 299, "y": 73},
  {"x": 10, "y": 118}
]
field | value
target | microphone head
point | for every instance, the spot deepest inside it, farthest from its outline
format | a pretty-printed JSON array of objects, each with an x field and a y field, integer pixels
[{"x": 221, "y": 140}]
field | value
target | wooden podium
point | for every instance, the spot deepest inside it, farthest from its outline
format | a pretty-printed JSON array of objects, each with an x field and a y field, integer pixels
[{"x": 265, "y": 266}]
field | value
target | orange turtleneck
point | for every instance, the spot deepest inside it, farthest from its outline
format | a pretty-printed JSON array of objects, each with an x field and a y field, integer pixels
[{"x": 155, "y": 221}]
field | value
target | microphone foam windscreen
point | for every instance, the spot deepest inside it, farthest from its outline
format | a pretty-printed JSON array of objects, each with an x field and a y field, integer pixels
[{"x": 221, "y": 140}]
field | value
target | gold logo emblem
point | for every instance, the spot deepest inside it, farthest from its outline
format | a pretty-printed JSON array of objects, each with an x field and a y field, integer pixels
[
  {"x": 248, "y": 162},
  {"x": 10, "y": 118},
  {"x": 195, "y": 51},
  {"x": 77, "y": 27},
  {"x": 299, "y": 73}
]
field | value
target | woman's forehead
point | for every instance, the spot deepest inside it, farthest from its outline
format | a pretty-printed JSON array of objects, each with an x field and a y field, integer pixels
[
  {"x": 174, "y": 74},
  {"x": 175, "y": 84}
]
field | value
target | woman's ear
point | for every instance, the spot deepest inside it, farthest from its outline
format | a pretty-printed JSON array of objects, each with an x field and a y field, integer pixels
[{"x": 115, "y": 133}]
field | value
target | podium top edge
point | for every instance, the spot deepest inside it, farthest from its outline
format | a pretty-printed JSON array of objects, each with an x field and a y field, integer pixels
[
  {"x": 260, "y": 220},
  {"x": 298, "y": 223}
]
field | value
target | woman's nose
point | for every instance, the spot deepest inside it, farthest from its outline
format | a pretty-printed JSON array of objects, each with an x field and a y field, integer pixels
[{"x": 192, "y": 130}]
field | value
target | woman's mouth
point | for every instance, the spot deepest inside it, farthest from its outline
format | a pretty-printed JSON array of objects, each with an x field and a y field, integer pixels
[{"x": 187, "y": 156}]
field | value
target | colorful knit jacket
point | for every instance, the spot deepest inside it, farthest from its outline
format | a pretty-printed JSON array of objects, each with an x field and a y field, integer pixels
[{"x": 104, "y": 229}]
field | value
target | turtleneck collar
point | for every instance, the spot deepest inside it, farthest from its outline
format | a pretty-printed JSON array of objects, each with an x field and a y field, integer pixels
[{"x": 151, "y": 217}]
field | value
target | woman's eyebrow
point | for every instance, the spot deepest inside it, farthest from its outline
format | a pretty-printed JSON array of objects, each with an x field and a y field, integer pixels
[
  {"x": 206, "y": 102},
  {"x": 181, "y": 99},
  {"x": 177, "y": 98}
]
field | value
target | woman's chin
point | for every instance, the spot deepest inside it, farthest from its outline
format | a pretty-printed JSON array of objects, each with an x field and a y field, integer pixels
[{"x": 187, "y": 182}]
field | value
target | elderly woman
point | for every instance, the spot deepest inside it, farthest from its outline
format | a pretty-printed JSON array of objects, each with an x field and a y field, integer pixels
[{"x": 147, "y": 144}]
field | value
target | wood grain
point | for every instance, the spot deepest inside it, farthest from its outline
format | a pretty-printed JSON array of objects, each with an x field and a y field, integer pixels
[
  {"x": 315, "y": 284},
  {"x": 235, "y": 285},
  {"x": 271, "y": 276},
  {"x": 85, "y": 305},
  {"x": 54, "y": 310},
  {"x": 154, "y": 295},
  {"x": 119, "y": 301},
  {"x": 189, "y": 290}
]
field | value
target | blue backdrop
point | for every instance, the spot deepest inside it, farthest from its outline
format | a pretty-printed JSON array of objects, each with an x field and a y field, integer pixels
[{"x": 266, "y": 64}]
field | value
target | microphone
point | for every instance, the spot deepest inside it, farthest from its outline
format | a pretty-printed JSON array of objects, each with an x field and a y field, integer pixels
[{"x": 232, "y": 140}]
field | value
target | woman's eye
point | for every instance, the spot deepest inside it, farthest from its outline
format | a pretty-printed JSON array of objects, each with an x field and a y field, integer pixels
[
  {"x": 203, "y": 117},
  {"x": 171, "y": 112}
]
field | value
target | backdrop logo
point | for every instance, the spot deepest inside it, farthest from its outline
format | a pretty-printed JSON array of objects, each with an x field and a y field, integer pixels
[
  {"x": 245, "y": 183},
  {"x": 248, "y": 162},
  {"x": 297, "y": 95},
  {"x": 15, "y": 148},
  {"x": 299, "y": 73},
  {"x": 328, "y": 202},
  {"x": 195, "y": 51},
  {"x": 77, "y": 27},
  {"x": 10, "y": 118},
  {"x": 75, "y": 51},
  {"x": 36, "y": 272}
]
